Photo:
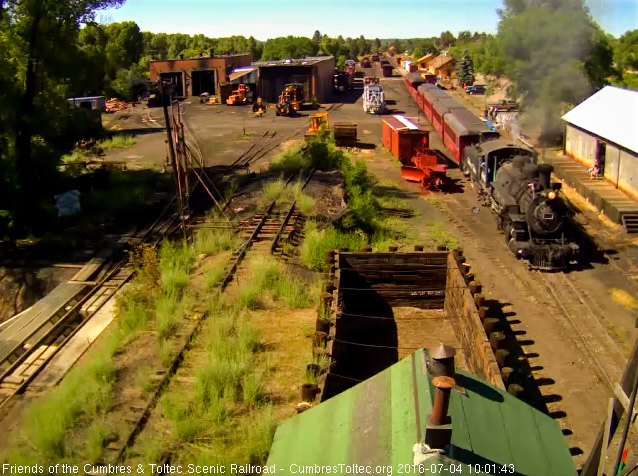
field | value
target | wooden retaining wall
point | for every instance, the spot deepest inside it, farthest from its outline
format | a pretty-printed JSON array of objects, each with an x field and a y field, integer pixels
[
  {"x": 360, "y": 290},
  {"x": 461, "y": 305}
]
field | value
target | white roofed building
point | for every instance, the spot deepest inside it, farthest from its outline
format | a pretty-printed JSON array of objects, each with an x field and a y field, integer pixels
[{"x": 603, "y": 131}]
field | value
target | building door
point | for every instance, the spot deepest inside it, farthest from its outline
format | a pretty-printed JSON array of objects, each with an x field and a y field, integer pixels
[
  {"x": 177, "y": 80},
  {"x": 600, "y": 157},
  {"x": 204, "y": 81}
]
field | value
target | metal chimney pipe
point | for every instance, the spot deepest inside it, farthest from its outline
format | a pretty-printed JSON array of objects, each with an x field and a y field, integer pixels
[
  {"x": 442, "y": 361},
  {"x": 441, "y": 403}
]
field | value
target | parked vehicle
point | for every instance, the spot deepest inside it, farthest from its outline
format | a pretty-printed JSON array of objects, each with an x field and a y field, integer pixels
[
  {"x": 373, "y": 96},
  {"x": 290, "y": 100},
  {"x": 504, "y": 105},
  {"x": 476, "y": 89},
  {"x": 239, "y": 96}
]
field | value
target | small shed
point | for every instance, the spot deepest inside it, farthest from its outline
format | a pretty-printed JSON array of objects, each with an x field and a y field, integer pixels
[
  {"x": 401, "y": 136},
  {"x": 89, "y": 102},
  {"x": 377, "y": 423}
]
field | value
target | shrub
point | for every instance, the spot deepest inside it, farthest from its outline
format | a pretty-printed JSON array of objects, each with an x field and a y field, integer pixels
[
  {"x": 316, "y": 243},
  {"x": 165, "y": 310},
  {"x": 270, "y": 281},
  {"x": 117, "y": 141},
  {"x": 210, "y": 242},
  {"x": 273, "y": 190}
]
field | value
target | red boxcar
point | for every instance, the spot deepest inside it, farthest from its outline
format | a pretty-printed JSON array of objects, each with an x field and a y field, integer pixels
[{"x": 401, "y": 136}]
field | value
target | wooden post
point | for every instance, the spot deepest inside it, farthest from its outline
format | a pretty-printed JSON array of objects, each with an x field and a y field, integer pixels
[
  {"x": 603, "y": 452},
  {"x": 590, "y": 468}
]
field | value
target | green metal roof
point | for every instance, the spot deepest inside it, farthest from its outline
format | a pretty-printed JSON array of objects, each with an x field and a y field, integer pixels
[{"x": 377, "y": 422}]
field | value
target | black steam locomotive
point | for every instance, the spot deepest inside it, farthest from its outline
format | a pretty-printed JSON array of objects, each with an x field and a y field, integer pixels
[{"x": 529, "y": 209}]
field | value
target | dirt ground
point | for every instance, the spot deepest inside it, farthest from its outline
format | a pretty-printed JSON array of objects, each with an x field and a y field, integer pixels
[{"x": 426, "y": 328}]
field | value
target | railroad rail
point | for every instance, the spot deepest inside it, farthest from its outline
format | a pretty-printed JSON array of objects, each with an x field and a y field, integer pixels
[
  {"x": 34, "y": 350},
  {"x": 598, "y": 347},
  {"x": 257, "y": 150},
  {"x": 607, "y": 357},
  {"x": 238, "y": 256}
]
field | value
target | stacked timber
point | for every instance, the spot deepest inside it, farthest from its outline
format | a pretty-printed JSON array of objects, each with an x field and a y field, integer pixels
[{"x": 114, "y": 104}]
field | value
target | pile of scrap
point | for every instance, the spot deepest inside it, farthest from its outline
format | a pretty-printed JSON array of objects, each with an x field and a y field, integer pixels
[{"x": 114, "y": 104}]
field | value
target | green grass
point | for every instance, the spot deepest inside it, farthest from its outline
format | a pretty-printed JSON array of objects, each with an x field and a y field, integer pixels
[
  {"x": 95, "y": 441},
  {"x": 165, "y": 315},
  {"x": 274, "y": 190},
  {"x": 117, "y": 141},
  {"x": 288, "y": 162},
  {"x": 175, "y": 265},
  {"x": 213, "y": 276},
  {"x": 269, "y": 282},
  {"x": 317, "y": 243},
  {"x": 86, "y": 390},
  {"x": 442, "y": 237},
  {"x": 213, "y": 241}
]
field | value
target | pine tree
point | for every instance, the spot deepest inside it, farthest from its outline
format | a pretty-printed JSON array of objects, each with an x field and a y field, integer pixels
[{"x": 465, "y": 70}]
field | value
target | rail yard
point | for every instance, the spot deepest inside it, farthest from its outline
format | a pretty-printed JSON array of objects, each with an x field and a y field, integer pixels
[{"x": 483, "y": 306}]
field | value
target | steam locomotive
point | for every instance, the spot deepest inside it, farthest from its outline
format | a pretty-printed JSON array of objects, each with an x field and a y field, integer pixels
[{"x": 528, "y": 206}]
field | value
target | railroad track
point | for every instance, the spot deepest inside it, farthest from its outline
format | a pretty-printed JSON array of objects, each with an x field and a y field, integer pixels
[
  {"x": 272, "y": 225},
  {"x": 592, "y": 338},
  {"x": 30, "y": 355},
  {"x": 268, "y": 142}
]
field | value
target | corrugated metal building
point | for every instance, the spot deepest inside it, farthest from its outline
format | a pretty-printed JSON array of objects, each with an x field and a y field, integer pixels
[
  {"x": 194, "y": 76},
  {"x": 376, "y": 424},
  {"x": 315, "y": 73},
  {"x": 604, "y": 129}
]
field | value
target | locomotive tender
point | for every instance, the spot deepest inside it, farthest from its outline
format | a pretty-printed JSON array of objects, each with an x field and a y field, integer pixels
[{"x": 528, "y": 206}]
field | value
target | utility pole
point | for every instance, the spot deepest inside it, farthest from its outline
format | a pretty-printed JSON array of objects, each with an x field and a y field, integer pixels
[{"x": 171, "y": 151}]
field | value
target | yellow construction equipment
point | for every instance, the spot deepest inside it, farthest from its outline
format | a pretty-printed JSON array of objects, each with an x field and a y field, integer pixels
[
  {"x": 238, "y": 96},
  {"x": 259, "y": 108},
  {"x": 316, "y": 121},
  {"x": 290, "y": 99}
]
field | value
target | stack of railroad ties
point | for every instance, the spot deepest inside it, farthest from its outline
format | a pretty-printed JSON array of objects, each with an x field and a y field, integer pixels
[{"x": 114, "y": 104}]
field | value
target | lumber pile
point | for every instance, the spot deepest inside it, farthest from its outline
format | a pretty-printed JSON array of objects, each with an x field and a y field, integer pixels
[{"x": 115, "y": 104}]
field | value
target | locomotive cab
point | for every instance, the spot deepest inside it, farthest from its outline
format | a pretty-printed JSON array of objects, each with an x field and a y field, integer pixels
[{"x": 482, "y": 161}]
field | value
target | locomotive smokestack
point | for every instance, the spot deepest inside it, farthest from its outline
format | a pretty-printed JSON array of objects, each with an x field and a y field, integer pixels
[{"x": 544, "y": 174}]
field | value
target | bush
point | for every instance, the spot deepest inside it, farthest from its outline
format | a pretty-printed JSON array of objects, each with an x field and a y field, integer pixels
[
  {"x": 317, "y": 243},
  {"x": 270, "y": 282},
  {"x": 210, "y": 242}
]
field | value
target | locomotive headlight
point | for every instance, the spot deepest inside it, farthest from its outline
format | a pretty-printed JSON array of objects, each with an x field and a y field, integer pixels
[{"x": 551, "y": 195}]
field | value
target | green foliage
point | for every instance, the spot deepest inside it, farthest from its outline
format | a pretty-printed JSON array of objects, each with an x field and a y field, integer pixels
[
  {"x": 317, "y": 243},
  {"x": 85, "y": 391},
  {"x": 465, "y": 70},
  {"x": 628, "y": 80},
  {"x": 270, "y": 282},
  {"x": 289, "y": 47},
  {"x": 129, "y": 83},
  {"x": 213, "y": 241},
  {"x": 117, "y": 141},
  {"x": 626, "y": 51}
]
